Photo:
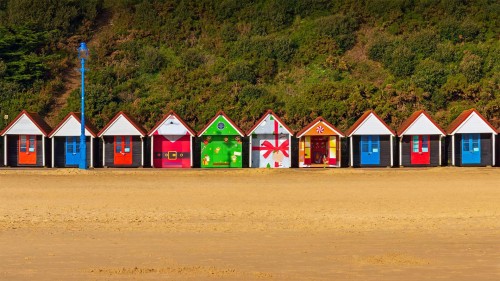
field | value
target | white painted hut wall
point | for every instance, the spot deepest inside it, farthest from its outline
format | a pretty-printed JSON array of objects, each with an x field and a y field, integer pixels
[
  {"x": 121, "y": 127},
  {"x": 372, "y": 126},
  {"x": 473, "y": 124},
  {"x": 23, "y": 126},
  {"x": 70, "y": 128},
  {"x": 422, "y": 126}
]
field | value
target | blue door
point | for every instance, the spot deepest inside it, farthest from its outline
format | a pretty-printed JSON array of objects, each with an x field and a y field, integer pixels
[
  {"x": 471, "y": 149},
  {"x": 370, "y": 150},
  {"x": 72, "y": 151}
]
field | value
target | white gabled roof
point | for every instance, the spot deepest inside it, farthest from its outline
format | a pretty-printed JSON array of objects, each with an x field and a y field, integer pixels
[
  {"x": 70, "y": 128},
  {"x": 422, "y": 125},
  {"x": 23, "y": 126},
  {"x": 473, "y": 124},
  {"x": 371, "y": 125}
]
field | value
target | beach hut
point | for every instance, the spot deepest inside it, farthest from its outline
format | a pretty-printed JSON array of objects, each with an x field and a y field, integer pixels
[
  {"x": 320, "y": 144},
  {"x": 270, "y": 142},
  {"x": 65, "y": 142},
  {"x": 122, "y": 142},
  {"x": 420, "y": 141},
  {"x": 24, "y": 141},
  {"x": 171, "y": 142},
  {"x": 472, "y": 140},
  {"x": 371, "y": 142},
  {"x": 221, "y": 143}
]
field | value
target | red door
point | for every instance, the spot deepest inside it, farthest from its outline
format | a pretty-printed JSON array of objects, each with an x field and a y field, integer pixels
[
  {"x": 27, "y": 150},
  {"x": 319, "y": 149},
  {"x": 420, "y": 150},
  {"x": 123, "y": 150}
]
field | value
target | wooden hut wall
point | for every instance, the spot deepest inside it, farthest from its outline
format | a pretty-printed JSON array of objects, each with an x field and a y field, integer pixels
[
  {"x": 434, "y": 151},
  {"x": 345, "y": 155},
  {"x": 245, "y": 154},
  {"x": 486, "y": 150},
  {"x": 294, "y": 148},
  {"x": 13, "y": 150},
  {"x": 195, "y": 149},
  {"x": 60, "y": 151},
  {"x": 147, "y": 152},
  {"x": 385, "y": 151},
  {"x": 137, "y": 152}
]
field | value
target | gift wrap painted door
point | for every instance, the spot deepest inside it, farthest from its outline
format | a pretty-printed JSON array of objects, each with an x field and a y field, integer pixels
[
  {"x": 123, "y": 150},
  {"x": 370, "y": 150},
  {"x": 270, "y": 151},
  {"x": 72, "y": 150},
  {"x": 471, "y": 149},
  {"x": 420, "y": 150},
  {"x": 172, "y": 151},
  {"x": 27, "y": 150}
]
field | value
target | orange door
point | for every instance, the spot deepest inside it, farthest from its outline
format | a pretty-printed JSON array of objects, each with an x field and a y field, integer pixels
[
  {"x": 27, "y": 150},
  {"x": 123, "y": 150}
]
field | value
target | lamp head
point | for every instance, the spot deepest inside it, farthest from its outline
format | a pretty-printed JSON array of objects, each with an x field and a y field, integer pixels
[{"x": 83, "y": 52}]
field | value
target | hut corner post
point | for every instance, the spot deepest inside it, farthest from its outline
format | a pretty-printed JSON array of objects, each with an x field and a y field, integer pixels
[
  {"x": 250, "y": 151},
  {"x": 339, "y": 165},
  {"x": 43, "y": 150},
  {"x": 392, "y": 151},
  {"x": 453, "y": 149},
  {"x": 440, "y": 162},
  {"x": 5, "y": 150},
  {"x": 190, "y": 149},
  {"x": 142, "y": 151},
  {"x": 401, "y": 150},
  {"x": 103, "y": 152},
  {"x": 151, "y": 144},
  {"x": 91, "y": 151},
  {"x": 351, "y": 149},
  {"x": 493, "y": 136},
  {"x": 52, "y": 154}
]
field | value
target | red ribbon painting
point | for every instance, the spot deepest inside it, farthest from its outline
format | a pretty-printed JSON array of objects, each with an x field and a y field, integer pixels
[{"x": 269, "y": 147}]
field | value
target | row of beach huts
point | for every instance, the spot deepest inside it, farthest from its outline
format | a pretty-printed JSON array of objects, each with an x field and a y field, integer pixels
[{"x": 470, "y": 140}]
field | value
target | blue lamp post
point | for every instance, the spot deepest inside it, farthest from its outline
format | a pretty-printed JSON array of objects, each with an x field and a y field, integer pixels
[{"x": 83, "y": 54}]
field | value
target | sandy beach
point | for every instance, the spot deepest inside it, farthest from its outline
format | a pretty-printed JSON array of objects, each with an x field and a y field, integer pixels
[{"x": 250, "y": 224}]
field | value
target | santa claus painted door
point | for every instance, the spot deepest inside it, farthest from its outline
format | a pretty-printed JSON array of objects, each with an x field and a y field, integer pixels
[
  {"x": 171, "y": 151},
  {"x": 420, "y": 151},
  {"x": 27, "y": 150},
  {"x": 123, "y": 150}
]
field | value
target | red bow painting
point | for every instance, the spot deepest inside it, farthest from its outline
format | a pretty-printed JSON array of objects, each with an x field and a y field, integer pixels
[{"x": 268, "y": 147}]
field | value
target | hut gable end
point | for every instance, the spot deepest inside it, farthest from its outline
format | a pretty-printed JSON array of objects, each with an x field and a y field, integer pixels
[
  {"x": 221, "y": 124},
  {"x": 71, "y": 126},
  {"x": 370, "y": 124},
  {"x": 320, "y": 127},
  {"x": 266, "y": 125},
  {"x": 420, "y": 123},
  {"x": 171, "y": 124},
  {"x": 122, "y": 125},
  {"x": 471, "y": 122},
  {"x": 27, "y": 124}
]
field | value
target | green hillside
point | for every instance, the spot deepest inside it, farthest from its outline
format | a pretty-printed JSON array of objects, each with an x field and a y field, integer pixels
[{"x": 301, "y": 58}]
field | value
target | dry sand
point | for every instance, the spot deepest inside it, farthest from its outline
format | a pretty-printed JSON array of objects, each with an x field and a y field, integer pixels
[{"x": 250, "y": 224}]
